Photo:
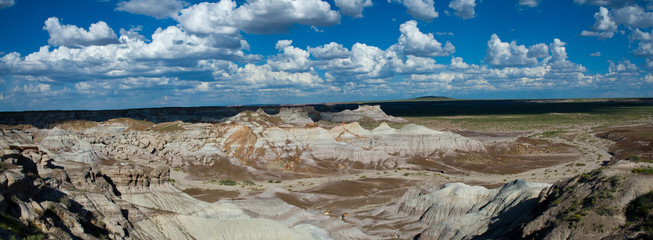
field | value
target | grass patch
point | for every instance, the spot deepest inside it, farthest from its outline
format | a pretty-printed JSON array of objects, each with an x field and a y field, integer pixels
[
  {"x": 644, "y": 171},
  {"x": 227, "y": 182}
]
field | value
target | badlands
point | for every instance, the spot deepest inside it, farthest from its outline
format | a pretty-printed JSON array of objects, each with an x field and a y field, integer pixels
[{"x": 422, "y": 169}]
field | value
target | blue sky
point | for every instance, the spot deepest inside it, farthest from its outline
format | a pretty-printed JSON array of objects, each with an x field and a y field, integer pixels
[{"x": 82, "y": 54}]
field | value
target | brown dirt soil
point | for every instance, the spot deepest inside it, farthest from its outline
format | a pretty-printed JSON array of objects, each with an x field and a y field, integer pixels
[
  {"x": 223, "y": 169},
  {"x": 630, "y": 140},
  {"x": 360, "y": 187},
  {"x": 210, "y": 195},
  {"x": 504, "y": 158},
  {"x": 350, "y": 195}
]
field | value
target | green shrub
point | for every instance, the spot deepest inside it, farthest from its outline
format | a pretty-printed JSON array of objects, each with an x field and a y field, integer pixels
[
  {"x": 35, "y": 237},
  {"x": 277, "y": 181},
  {"x": 645, "y": 171},
  {"x": 248, "y": 183},
  {"x": 228, "y": 182}
]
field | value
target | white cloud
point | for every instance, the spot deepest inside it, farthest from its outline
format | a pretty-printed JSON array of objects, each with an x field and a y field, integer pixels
[
  {"x": 413, "y": 42},
  {"x": 83, "y": 86},
  {"x": 609, "y": 3},
  {"x": 604, "y": 27},
  {"x": 290, "y": 59},
  {"x": 625, "y": 66},
  {"x": 72, "y": 36},
  {"x": 329, "y": 51},
  {"x": 638, "y": 35},
  {"x": 644, "y": 45},
  {"x": 353, "y": 8},
  {"x": 414, "y": 64},
  {"x": 132, "y": 33},
  {"x": 558, "y": 50},
  {"x": 143, "y": 82},
  {"x": 649, "y": 65},
  {"x": 458, "y": 63},
  {"x": 171, "y": 50},
  {"x": 370, "y": 61},
  {"x": 155, "y": 8},
  {"x": 503, "y": 54},
  {"x": 633, "y": 16},
  {"x": 539, "y": 50},
  {"x": 648, "y": 78},
  {"x": 36, "y": 88},
  {"x": 529, "y": 3},
  {"x": 173, "y": 43},
  {"x": 225, "y": 17},
  {"x": 263, "y": 75},
  {"x": 464, "y": 8},
  {"x": 622, "y": 74},
  {"x": 595, "y": 54},
  {"x": 6, "y": 3},
  {"x": 420, "y": 9}
]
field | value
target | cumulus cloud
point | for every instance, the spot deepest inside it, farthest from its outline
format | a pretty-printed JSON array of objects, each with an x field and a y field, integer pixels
[
  {"x": 290, "y": 59},
  {"x": 171, "y": 50},
  {"x": 72, "y": 36},
  {"x": 644, "y": 46},
  {"x": 464, "y": 8},
  {"x": 607, "y": 21},
  {"x": 155, "y": 8},
  {"x": 6, "y": 3},
  {"x": 225, "y": 17},
  {"x": 539, "y": 50},
  {"x": 353, "y": 8},
  {"x": 529, "y": 3},
  {"x": 420, "y": 9},
  {"x": 503, "y": 54},
  {"x": 329, "y": 51},
  {"x": 558, "y": 50},
  {"x": 413, "y": 42},
  {"x": 604, "y": 27},
  {"x": 458, "y": 63},
  {"x": 633, "y": 16}
]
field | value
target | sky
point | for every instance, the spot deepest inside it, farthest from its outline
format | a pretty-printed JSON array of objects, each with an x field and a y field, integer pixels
[{"x": 111, "y": 54}]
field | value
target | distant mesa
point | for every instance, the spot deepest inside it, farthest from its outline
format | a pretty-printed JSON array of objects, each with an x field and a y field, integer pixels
[{"x": 433, "y": 98}]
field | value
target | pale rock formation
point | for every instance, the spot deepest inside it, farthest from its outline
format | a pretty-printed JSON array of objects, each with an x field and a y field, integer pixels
[
  {"x": 364, "y": 112},
  {"x": 458, "y": 211}
]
